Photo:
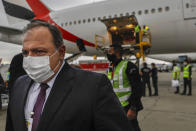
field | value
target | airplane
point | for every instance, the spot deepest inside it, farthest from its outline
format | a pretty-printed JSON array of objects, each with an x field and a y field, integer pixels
[{"x": 172, "y": 23}]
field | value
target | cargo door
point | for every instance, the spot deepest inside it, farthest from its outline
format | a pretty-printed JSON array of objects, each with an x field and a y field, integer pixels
[
  {"x": 189, "y": 9},
  {"x": 121, "y": 30}
]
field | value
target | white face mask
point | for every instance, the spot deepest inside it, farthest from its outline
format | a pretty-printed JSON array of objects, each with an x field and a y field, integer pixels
[{"x": 38, "y": 68}]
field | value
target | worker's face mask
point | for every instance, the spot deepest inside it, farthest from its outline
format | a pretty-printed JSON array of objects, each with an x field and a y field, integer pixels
[
  {"x": 112, "y": 57},
  {"x": 38, "y": 68}
]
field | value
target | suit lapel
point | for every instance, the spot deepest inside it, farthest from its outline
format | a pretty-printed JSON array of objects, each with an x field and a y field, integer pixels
[
  {"x": 22, "y": 101},
  {"x": 58, "y": 94}
]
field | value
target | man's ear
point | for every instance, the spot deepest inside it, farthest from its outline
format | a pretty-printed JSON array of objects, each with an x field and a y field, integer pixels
[{"x": 62, "y": 51}]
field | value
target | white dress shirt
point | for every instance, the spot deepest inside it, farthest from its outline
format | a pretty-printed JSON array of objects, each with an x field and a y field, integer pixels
[{"x": 34, "y": 92}]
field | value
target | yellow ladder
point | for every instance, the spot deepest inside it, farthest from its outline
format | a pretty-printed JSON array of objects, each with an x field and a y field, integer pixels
[{"x": 142, "y": 44}]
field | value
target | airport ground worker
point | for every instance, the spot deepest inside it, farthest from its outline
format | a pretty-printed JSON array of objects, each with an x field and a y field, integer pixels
[
  {"x": 154, "y": 75},
  {"x": 187, "y": 74},
  {"x": 146, "y": 29},
  {"x": 176, "y": 76},
  {"x": 56, "y": 97},
  {"x": 137, "y": 33},
  {"x": 145, "y": 73},
  {"x": 126, "y": 84}
]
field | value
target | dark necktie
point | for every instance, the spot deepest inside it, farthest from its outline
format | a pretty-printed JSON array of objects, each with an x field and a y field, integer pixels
[{"x": 39, "y": 106}]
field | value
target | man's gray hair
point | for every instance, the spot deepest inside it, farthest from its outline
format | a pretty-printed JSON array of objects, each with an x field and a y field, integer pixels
[{"x": 56, "y": 34}]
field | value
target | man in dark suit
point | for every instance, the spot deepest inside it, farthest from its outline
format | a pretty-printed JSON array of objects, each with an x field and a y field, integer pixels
[{"x": 56, "y": 97}]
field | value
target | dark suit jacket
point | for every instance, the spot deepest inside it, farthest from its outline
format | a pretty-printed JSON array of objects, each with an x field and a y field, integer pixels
[{"x": 78, "y": 101}]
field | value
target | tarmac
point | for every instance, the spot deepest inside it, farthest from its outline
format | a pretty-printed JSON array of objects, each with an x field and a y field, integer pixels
[{"x": 167, "y": 112}]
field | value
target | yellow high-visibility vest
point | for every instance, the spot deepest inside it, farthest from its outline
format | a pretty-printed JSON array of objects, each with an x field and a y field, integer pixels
[
  {"x": 146, "y": 29},
  {"x": 186, "y": 71},
  {"x": 120, "y": 83},
  {"x": 137, "y": 29},
  {"x": 176, "y": 70}
]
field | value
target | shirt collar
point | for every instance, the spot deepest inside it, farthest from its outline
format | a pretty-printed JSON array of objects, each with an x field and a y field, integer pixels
[{"x": 51, "y": 82}]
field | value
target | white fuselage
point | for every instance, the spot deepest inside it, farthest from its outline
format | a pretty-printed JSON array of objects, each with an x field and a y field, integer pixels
[{"x": 172, "y": 30}]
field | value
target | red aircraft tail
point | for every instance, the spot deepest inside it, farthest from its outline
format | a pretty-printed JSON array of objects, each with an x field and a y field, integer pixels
[{"x": 39, "y": 9}]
